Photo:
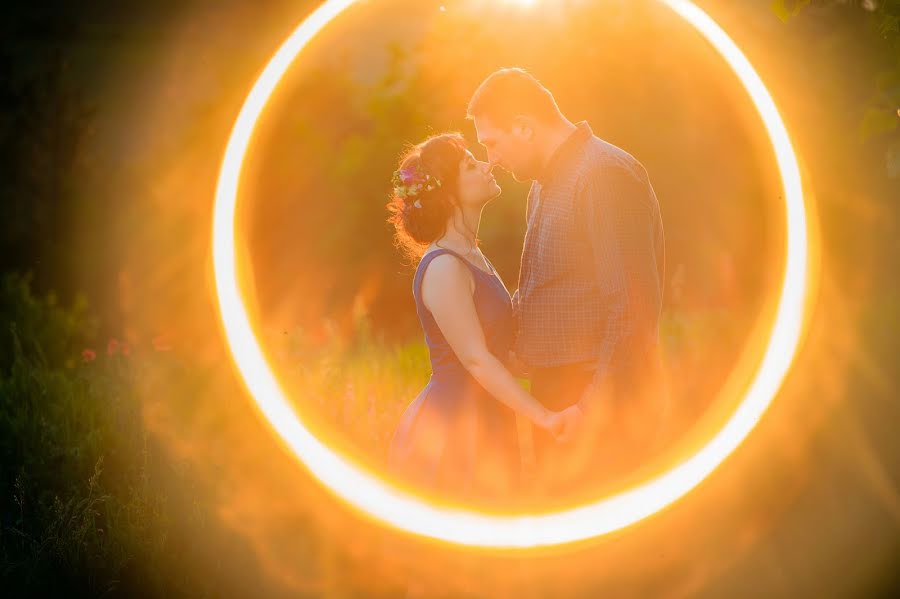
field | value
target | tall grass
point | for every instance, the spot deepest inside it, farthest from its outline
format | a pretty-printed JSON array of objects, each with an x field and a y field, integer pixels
[
  {"x": 83, "y": 512},
  {"x": 92, "y": 506}
]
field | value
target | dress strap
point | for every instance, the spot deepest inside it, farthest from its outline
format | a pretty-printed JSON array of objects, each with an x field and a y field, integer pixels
[
  {"x": 469, "y": 264},
  {"x": 426, "y": 260}
]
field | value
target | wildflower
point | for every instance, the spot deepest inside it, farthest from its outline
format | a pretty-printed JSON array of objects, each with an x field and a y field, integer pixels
[
  {"x": 125, "y": 348},
  {"x": 112, "y": 347},
  {"x": 88, "y": 355},
  {"x": 409, "y": 175}
]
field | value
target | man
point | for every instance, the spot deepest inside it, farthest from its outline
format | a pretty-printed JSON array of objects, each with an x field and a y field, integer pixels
[{"x": 591, "y": 276}]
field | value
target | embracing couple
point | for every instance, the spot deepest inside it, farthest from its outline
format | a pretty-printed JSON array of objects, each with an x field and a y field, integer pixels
[{"x": 582, "y": 326}]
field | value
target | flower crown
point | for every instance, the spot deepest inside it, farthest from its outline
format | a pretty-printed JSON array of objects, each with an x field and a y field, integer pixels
[{"x": 411, "y": 181}]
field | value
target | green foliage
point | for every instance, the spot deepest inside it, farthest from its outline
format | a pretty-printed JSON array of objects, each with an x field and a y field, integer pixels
[
  {"x": 51, "y": 334},
  {"x": 785, "y": 9},
  {"x": 881, "y": 115}
]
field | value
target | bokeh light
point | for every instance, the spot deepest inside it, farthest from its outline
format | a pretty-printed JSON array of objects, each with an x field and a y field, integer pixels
[{"x": 366, "y": 490}]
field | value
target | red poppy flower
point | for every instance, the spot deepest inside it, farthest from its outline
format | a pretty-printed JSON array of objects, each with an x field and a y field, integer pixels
[
  {"x": 161, "y": 343},
  {"x": 88, "y": 355},
  {"x": 112, "y": 347}
]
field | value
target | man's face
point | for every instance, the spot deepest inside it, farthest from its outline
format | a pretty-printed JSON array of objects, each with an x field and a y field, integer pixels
[{"x": 511, "y": 149}]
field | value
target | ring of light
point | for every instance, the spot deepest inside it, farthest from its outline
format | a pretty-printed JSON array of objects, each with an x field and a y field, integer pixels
[{"x": 365, "y": 490}]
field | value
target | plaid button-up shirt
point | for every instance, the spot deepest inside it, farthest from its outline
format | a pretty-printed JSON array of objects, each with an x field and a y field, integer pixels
[{"x": 591, "y": 276}]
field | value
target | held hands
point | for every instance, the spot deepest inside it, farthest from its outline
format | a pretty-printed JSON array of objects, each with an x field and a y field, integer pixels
[{"x": 565, "y": 424}]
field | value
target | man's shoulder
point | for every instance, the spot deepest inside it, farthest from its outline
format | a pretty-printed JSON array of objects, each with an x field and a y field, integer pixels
[
  {"x": 603, "y": 160},
  {"x": 601, "y": 155}
]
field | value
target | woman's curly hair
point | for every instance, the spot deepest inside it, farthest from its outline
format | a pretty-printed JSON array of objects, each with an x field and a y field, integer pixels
[{"x": 424, "y": 192}]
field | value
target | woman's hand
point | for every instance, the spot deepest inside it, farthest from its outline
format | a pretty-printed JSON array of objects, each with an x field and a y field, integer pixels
[{"x": 447, "y": 291}]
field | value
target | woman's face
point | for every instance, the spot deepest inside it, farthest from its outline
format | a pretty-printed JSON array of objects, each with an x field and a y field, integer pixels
[{"x": 477, "y": 185}]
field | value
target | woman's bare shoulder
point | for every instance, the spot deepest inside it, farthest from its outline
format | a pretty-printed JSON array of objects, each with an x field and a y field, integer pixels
[{"x": 445, "y": 272}]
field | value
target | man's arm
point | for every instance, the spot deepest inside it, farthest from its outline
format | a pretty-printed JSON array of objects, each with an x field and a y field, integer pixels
[{"x": 620, "y": 213}]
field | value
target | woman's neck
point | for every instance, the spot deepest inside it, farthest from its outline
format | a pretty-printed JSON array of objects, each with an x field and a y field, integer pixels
[{"x": 462, "y": 230}]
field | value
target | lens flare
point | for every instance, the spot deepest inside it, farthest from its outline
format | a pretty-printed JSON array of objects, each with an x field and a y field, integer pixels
[{"x": 370, "y": 493}]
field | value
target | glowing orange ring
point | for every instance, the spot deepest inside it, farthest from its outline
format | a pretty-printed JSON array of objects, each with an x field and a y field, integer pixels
[{"x": 365, "y": 490}]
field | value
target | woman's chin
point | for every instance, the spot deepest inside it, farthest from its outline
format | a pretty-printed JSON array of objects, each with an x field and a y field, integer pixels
[{"x": 491, "y": 195}]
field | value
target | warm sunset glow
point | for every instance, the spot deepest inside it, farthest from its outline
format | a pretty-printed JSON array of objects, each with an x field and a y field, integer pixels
[{"x": 368, "y": 491}]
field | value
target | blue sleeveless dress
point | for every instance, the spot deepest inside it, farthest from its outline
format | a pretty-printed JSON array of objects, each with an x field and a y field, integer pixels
[{"x": 455, "y": 438}]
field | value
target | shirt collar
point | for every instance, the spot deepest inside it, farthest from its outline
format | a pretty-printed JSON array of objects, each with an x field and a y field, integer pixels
[{"x": 563, "y": 153}]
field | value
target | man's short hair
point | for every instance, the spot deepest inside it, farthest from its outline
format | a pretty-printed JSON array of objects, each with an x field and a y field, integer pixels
[{"x": 509, "y": 92}]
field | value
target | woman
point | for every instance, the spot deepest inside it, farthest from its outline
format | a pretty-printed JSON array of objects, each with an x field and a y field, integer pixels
[{"x": 459, "y": 436}]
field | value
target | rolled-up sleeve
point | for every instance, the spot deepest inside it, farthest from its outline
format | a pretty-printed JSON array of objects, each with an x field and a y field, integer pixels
[{"x": 622, "y": 220}]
